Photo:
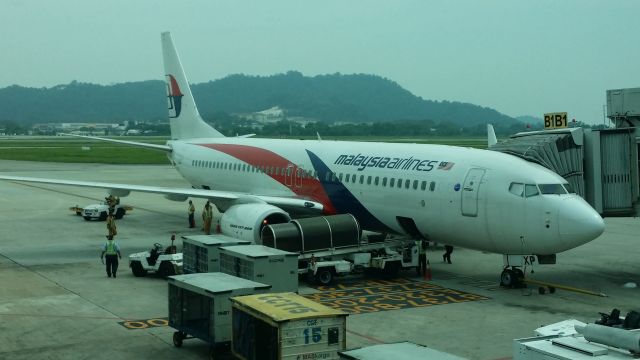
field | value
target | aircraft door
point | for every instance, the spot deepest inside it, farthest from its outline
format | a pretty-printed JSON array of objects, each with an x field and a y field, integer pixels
[
  {"x": 298, "y": 177},
  {"x": 470, "y": 192},
  {"x": 288, "y": 175}
]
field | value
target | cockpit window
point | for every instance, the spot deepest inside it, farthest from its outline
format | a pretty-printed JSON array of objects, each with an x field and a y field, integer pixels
[
  {"x": 531, "y": 190},
  {"x": 569, "y": 188},
  {"x": 516, "y": 189},
  {"x": 555, "y": 189}
]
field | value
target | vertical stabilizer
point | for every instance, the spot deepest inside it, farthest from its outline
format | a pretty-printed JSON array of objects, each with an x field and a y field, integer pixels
[
  {"x": 184, "y": 118},
  {"x": 491, "y": 136}
]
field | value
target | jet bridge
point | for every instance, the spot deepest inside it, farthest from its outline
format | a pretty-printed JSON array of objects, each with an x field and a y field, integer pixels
[
  {"x": 559, "y": 150},
  {"x": 600, "y": 165}
]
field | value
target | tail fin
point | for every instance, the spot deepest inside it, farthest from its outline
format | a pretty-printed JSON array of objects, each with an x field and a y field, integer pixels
[
  {"x": 184, "y": 118},
  {"x": 491, "y": 136}
]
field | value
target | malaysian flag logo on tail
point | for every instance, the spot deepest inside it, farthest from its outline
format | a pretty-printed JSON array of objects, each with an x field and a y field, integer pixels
[
  {"x": 174, "y": 97},
  {"x": 445, "y": 165}
]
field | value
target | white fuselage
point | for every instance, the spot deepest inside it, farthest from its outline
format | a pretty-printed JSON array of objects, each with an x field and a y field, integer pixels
[{"x": 459, "y": 196}]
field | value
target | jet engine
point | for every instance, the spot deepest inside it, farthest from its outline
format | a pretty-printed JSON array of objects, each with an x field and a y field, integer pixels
[{"x": 245, "y": 221}]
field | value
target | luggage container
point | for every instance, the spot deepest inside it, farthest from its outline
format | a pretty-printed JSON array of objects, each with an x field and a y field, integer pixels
[
  {"x": 286, "y": 326},
  {"x": 199, "y": 307},
  {"x": 200, "y": 253},
  {"x": 267, "y": 265}
]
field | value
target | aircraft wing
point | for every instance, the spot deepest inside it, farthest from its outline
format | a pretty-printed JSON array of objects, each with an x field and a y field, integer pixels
[
  {"x": 222, "y": 199},
  {"x": 125, "y": 142}
]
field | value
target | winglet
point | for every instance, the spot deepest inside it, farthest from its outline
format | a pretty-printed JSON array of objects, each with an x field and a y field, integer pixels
[
  {"x": 319, "y": 138},
  {"x": 491, "y": 136}
]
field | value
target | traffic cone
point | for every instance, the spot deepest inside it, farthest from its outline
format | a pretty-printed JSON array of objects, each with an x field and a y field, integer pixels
[{"x": 427, "y": 273}]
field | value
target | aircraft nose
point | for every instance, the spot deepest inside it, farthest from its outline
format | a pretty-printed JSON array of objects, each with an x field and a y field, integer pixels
[{"x": 579, "y": 223}]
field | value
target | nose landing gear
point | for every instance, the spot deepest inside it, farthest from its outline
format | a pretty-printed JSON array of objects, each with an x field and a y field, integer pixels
[{"x": 512, "y": 277}]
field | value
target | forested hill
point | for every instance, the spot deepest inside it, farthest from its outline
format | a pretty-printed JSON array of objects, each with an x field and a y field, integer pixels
[{"x": 330, "y": 98}]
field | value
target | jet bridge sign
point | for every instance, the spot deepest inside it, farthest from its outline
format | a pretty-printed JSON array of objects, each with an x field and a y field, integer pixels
[{"x": 555, "y": 120}]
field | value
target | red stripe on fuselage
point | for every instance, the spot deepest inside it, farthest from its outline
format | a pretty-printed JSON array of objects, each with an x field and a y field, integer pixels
[{"x": 310, "y": 188}]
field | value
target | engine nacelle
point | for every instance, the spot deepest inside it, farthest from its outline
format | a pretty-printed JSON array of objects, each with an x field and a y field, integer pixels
[{"x": 245, "y": 221}]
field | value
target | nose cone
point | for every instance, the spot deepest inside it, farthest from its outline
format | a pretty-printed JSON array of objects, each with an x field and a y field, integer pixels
[{"x": 579, "y": 223}]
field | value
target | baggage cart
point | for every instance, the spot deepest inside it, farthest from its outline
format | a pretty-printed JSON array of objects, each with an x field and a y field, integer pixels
[
  {"x": 286, "y": 326},
  {"x": 199, "y": 307},
  {"x": 200, "y": 253},
  {"x": 267, "y": 265}
]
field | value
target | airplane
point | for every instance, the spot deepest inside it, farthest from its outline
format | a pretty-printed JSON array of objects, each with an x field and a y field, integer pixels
[{"x": 472, "y": 198}]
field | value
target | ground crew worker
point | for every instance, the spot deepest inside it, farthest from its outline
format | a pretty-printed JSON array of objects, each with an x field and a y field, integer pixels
[
  {"x": 204, "y": 211},
  {"x": 112, "y": 252},
  {"x": 208, "y": 217},
  {"x": 192, "y": 211},
  {"x": 422, "y": 257},
  {"x": 446, "y": 257},
  {"x": 111, "y": 224},
  {"x": 111, "y": 202}
]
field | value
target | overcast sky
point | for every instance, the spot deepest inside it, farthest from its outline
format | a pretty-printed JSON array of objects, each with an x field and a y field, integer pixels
[{"x": 520, "y": 58}]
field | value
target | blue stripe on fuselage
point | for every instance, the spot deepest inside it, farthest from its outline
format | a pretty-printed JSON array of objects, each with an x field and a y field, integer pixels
[{"x": 343, "y": 200}]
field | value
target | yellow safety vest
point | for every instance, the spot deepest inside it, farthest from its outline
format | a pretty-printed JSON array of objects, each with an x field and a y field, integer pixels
[{"x": 110, "y": 248}]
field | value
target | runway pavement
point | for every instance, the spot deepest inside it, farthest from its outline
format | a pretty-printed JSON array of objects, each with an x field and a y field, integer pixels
[{"x": 57, "y": 303}]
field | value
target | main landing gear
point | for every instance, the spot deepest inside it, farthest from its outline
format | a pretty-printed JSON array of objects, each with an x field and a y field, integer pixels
[{"x": 512, "y": 277}]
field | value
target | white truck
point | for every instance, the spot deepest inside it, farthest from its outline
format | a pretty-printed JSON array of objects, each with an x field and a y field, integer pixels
[
  {"x": 158, "y": 260},
  {"x": 100, "y": 211}
]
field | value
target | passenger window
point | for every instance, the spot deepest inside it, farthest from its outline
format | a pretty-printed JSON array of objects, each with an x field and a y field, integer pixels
[
  {"x": 516, "y": 189},
  {"x": 530, "y": 190},
  {"x": 415, "y": 184},
  {"x": 392, "y": 182},
  {"x": 369, "y": 180},
  {"x": 340, "y": 177},
  {"x": 346, "y": 178},
  {"x": 327, "y": 176},
  {"x": 399, "y": 183},
  {"x": 375, "y": 181},
  {"x": 361, "y": 179},
  {"x": 423, "y": 185},
  {"x": 432, "y": 186},
  {"x": 406, "y": 183},
  {"x": 384, "y": 181}
]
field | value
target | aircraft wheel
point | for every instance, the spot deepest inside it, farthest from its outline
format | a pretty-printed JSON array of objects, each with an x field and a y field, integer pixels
[
  {"x": 391, "y": 269},
  {"x": 324, "y": 275},
  {"x": 507, "y": 278},
  {"x": 541, "y": 290},
  {"x": 166, "y": 269},
  {"x": 177, "y": 339},
  {"x": 137, "y": 270}
]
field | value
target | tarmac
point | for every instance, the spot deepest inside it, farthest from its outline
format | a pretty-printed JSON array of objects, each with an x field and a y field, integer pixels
[{"x": 56, "y": 301}]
